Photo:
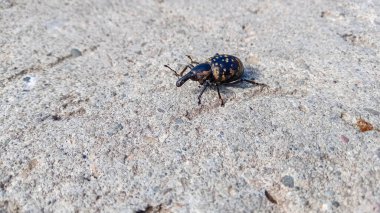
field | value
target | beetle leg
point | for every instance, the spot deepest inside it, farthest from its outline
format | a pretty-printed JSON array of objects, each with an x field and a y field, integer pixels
[
  {"x": 220, "y": 97},
  {"x": 254, "y": 82},
  {"x": 249, "y": 81},
  {"x": 191, "y": 60},
  {"x": 235, "y": 82},
  {"x": 181, "y": 73},
  {"x": 203, "y": 90}
]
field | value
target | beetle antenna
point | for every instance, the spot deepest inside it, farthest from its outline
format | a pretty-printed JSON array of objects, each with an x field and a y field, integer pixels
[
  {"x": 191, "y": 60},
  {"x": 175, "y": 72},
  {"x": 183, "y": 70}
]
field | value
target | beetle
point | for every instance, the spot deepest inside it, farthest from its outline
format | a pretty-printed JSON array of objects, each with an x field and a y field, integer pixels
[{"x": 215, "y": 71}]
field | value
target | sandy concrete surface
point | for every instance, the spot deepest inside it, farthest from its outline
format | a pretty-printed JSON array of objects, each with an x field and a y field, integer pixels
[{"x": 90, "y": 119}]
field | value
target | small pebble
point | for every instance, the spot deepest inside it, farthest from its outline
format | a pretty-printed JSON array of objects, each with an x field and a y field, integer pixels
[
  {"x": 344, "y": 139},
  {"x": 178, "y": 121},
  {"x": 75, "y": 53},
  {"x": 231, "y": 191},
  {"x": 335, "y": 204},
  {"x": 56, "y": 117},
  {"x": 115, "y": 130},
  {"x": 288, "y": 181},
  {"x": 150, "y": 139},
  {"x": 221, "y": 134},
  {"x": 346, "y": 117},
  {"x": 363, "y": 125},
  {"x": 325, "y": 207},
  {"x": 29, "y": 83},
  {"x": 26, "y": 79},
  {"x": 303, "y": 108}
]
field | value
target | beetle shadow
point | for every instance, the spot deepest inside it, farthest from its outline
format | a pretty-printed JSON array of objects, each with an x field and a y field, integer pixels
[{"x": 250, "y": 73}]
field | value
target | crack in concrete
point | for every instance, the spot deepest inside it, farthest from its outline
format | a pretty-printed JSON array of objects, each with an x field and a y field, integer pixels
[{"x": 39, "y": 67}]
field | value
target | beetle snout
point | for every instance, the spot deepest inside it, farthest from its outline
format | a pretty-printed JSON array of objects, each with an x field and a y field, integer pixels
[
  {"x": 180, "y": 82},
  {"x": 184, "y": 78}
]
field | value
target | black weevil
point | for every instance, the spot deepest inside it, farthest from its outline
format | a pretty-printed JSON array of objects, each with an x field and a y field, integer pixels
[{"x": 217, "y": 70}]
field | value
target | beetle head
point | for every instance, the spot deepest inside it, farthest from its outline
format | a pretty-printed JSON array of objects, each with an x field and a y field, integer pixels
[{"x": 199, "y": 73}]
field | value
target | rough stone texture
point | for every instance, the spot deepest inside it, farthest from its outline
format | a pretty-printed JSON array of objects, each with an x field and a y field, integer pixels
[{"x": 91, "y": 120}]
